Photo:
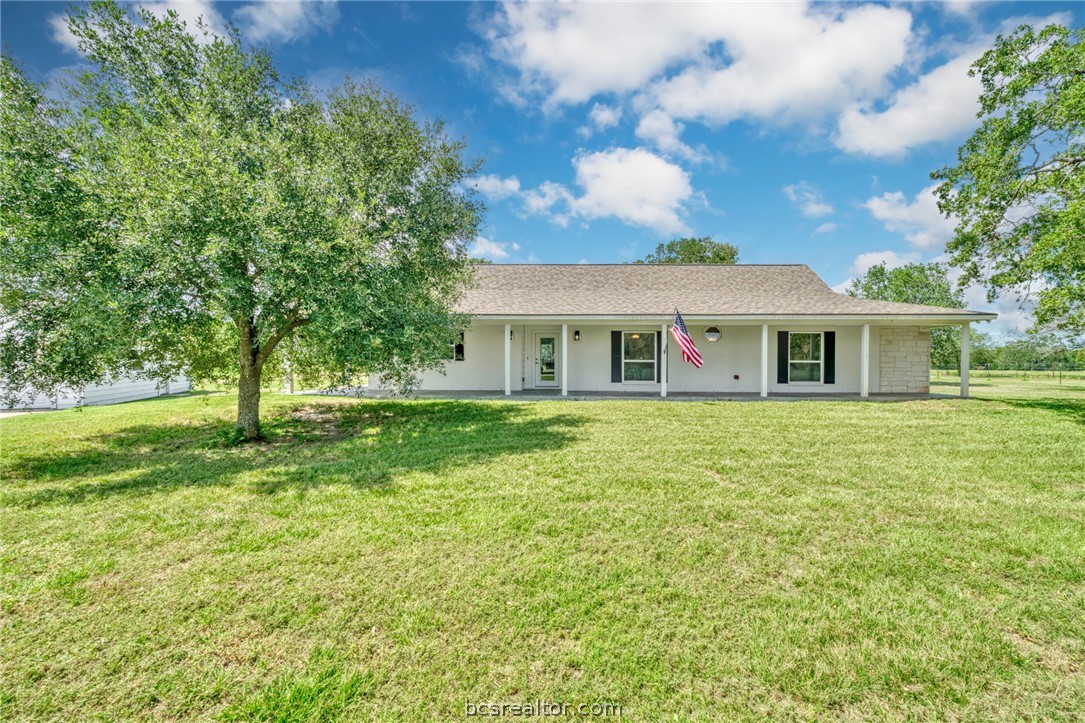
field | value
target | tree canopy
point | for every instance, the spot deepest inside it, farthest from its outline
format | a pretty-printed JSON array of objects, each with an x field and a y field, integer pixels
[
  {"x": 1018, "y": 188},
  {"x": 691, "y": 250},
  {"x": 185, "y": 211},
  {"x": 927, "y": 284}
]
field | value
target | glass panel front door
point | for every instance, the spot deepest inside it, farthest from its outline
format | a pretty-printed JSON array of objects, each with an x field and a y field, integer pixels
[{"x": 546, "y": 374}]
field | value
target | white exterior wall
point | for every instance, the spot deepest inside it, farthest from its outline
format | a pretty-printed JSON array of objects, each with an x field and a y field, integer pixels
[
  {"x": 900, "y": 359},
  {"x": 483, "y": 365},
  {"x": 904, "y": 360},
  {"x": 737, "y": 352},
  {"x": 123, "y": 390}
]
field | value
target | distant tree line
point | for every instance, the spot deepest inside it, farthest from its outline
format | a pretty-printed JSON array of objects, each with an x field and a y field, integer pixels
[{"x": 1032, "y": 352}]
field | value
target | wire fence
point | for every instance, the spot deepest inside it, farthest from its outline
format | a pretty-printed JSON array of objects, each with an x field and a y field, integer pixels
[{"x": 1048, "y": 372}]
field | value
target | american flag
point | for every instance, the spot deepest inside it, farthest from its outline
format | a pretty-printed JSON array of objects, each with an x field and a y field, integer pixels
[{"x": 681, "y": 335}]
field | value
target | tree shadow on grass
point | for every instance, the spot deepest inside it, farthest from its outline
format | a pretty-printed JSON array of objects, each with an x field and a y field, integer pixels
[
  {"x": 365, "y": 445},
  {"x": 1071, "y": 409}
]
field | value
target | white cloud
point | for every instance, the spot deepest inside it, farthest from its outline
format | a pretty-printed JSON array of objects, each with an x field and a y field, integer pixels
[
  {"x": 604, "y": 116},
  {"x": 58, "y": 29},
  {"x": 940, "y": 106},
  {"x": 496, "y": 188},
  {"x": 286, "y": 20},
  {"x": 572, "y": 52},
  {"x": 542, "y": 200},
  {"x": 188, "y": 11},
  {"x": 1015, "y": 315},
  {"x": 849, "y": 67},
  {"x": 808, "y": 199},
  {"x": 922, "y": 224},
  {"x": 825, "y": 228},
  {"x": 866, "y": 261},
  {"x": 488, "y": 249},
  {"x": 891, "y": 259},
  {"x": 664, "y": 133},
  {"x": 964, "y": 8},
  {"x": 763, "y": 60},
  {"x": 789, "y": 62},
  {"x": 633, "y": 185}
]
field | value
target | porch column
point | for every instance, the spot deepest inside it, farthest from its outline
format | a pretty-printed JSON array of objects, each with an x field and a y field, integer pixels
[
  {"x": 864, "y": 363},
  {"x": 663, "y": 342},
  {"x": 965, "y": 329},
  {"x": 564, "y": 360},
  {"x": 764, "y": 360},
  {"x": 508, "y": 359}
]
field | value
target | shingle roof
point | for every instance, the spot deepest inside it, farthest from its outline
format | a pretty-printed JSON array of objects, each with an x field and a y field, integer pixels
[{"x": 656, "y": 289}]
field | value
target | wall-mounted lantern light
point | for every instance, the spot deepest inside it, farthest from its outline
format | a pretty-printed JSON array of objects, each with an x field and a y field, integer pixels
[{"x": 576, "y": 335}]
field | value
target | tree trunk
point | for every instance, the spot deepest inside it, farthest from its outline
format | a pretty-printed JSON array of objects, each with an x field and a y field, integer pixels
[
  {"x": 252, "y": 357},
  {"x": 248, "y": 385},
  {"x": 248, "y": 402}
]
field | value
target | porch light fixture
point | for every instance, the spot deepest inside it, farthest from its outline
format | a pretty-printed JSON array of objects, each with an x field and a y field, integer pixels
[
  {"x": 634, "y": 335},
  {"x": 712, "y": 334},
  {"x": 576, "y": 335}
]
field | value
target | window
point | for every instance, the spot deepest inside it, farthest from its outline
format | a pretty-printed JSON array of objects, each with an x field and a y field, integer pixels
[
  {"x": 804, "y": 357},
  {"x": 639, "y": 356},
  {"x": 457, "y": 350}
]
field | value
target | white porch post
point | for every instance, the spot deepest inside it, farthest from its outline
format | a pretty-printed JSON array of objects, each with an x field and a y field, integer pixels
[
  {"x": 764, "y": 360},
  {"x": 864, "y": 363},
  {"x": 564, "y": 360},
  {"x": 965, "y": 329},
  {"x": 663, "y": 342},
  {"x": 508, "y": 359}
]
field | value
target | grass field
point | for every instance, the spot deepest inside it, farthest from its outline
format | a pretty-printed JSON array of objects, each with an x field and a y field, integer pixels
[{"x": 686, "y": 561}]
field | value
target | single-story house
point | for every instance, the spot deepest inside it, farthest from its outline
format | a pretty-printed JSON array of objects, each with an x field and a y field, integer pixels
[{"x": 760, "y": 329}]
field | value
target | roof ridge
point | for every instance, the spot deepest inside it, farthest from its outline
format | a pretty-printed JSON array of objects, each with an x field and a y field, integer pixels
[{"x": 724, "y": 289}]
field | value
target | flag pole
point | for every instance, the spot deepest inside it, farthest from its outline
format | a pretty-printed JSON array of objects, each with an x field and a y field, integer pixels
[{"x": 665, "y": 361}]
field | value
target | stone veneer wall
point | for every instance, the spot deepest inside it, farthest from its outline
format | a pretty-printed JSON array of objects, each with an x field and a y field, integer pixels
[{"x": 904, "y": 360}]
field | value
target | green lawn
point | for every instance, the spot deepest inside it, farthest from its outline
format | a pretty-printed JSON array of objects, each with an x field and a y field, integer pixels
[{"x": 688, "y": 561}]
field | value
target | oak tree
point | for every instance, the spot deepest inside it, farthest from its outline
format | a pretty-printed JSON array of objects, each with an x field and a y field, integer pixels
[
  {"x": 692, "y": 250},
  {"x": 1018, "y": 188},
  {"x": 186, "y": 211}
]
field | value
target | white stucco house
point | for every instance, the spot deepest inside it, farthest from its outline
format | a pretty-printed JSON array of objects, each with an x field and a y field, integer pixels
[{"x": 761, "y": 329}]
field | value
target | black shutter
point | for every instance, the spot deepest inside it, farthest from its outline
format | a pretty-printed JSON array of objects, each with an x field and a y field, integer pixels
[
  {"x": 659, "y": 358},
  {"x": 830, "y": 357},
  {"x": 781, "y": 357},
  {"x": 615, "y": 356}
]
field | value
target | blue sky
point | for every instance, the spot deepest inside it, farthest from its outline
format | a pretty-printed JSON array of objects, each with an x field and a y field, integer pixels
[{"x": 802, "y": 133}]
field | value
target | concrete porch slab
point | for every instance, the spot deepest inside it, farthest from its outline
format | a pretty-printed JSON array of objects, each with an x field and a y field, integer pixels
[{"x": 555, "y": 395}]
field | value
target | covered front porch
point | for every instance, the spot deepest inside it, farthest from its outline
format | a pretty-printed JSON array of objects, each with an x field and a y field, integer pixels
[{"x": 631, "y": 359}]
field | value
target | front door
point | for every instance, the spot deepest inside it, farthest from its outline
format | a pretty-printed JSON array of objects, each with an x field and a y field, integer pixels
[{"x": 546, "y": 360}]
